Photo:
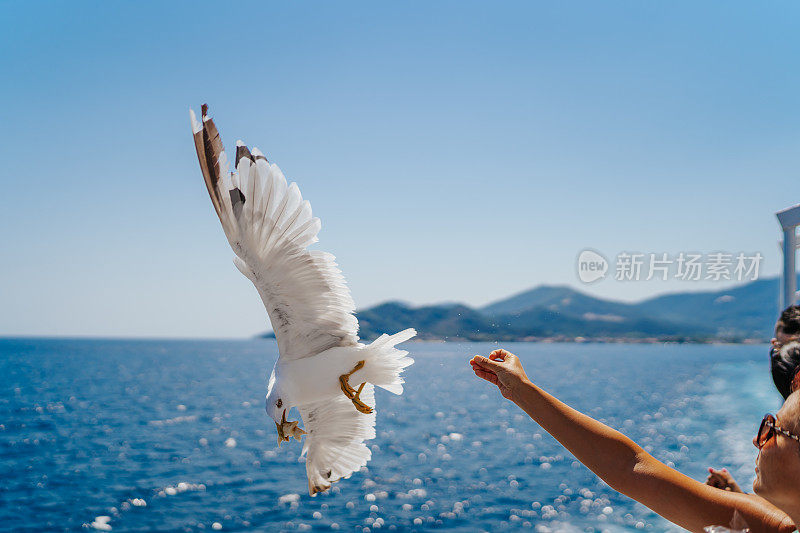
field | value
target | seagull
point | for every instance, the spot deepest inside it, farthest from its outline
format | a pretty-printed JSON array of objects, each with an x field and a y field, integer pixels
[{"x": 322, "y": 368}]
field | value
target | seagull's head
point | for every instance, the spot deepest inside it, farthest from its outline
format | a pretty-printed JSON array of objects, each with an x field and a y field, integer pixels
[{"x": 277, "y": 407}]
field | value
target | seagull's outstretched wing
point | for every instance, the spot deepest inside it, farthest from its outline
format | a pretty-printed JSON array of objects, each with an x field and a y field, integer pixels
[
  {"x": 269, "y": 227},
  {"x": 335, "y": 435}
]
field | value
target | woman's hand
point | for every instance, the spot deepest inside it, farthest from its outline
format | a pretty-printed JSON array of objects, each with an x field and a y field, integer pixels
[
  {"x": 503, "y": 369},
  {"x": 722, "y": 479}
]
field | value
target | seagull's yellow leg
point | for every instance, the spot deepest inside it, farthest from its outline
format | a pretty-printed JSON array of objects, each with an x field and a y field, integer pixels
[
  {"x": 348, "y": 391},
  {"x": 351, "y": 393},
  {"x": 361, "y": 406}
]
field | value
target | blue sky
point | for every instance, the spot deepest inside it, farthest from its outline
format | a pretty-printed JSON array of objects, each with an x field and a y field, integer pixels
[{"x": 455, "y": 151}]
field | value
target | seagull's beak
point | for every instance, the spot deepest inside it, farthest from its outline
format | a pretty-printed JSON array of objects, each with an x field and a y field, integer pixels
[
  {"x": 287, "y": 430},
  {"x": 281, "y": 437},
  {"x": 281, "y": 434}
]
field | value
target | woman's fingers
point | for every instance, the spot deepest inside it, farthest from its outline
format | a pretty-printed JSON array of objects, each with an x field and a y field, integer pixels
[
  {"x": 486, "y": 363},
  {"x": 722, "y": 472},
  {"x": 720, "y": 479},
  {"x": 481, "y": 369},
  {"x": 716, "y": 482},
  {"x": 488, "y": 376},
  {"x": 499, "y": 355}
]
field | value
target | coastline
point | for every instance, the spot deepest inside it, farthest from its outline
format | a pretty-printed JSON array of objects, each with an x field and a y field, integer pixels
[{"x": 422, "y": 337}]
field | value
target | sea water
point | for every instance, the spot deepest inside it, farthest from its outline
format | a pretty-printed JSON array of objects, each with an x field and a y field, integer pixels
[{"x": 172, "y": 436}]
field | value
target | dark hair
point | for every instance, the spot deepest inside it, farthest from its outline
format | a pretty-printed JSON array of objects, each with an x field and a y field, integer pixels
[
  {"x": 789, "y": 322},
  {"x": 785, "y": 363}
]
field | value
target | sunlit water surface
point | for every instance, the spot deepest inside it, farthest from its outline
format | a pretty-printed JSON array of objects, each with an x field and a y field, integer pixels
[{"x": 172, "y": 436}]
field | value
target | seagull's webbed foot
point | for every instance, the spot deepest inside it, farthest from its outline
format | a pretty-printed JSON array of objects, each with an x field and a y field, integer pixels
[{"x": 352, "y": 394}]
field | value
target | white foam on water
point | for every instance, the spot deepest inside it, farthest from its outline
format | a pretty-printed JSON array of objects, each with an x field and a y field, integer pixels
[
  {"x": 289, "y": 498},
  {"x": 173, "y": 421},
  {"x": 101, "y": 523},
  {"x": 181, "y": 487},
  {"x": 740, "y": 394}
]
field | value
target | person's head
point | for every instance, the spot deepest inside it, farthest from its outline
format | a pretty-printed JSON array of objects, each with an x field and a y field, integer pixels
[
  {"x": 784, "y": 364},
  {"x": 778, "y": 461},
  {"x": 785, "y": 351},
  {"x": 788, "y": 325}
]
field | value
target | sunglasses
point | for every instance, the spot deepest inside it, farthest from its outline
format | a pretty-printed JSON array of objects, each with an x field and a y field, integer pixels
[{"x": 768, "y": 429}]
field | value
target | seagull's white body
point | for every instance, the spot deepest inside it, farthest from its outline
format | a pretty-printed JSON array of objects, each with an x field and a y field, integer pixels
[
  {"x": 269, "y": 228},
  {"x": 307, "y": 380}
]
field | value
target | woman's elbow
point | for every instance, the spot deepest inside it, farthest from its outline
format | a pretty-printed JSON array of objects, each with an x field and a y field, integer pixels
[{"x": 631, "y": 474}]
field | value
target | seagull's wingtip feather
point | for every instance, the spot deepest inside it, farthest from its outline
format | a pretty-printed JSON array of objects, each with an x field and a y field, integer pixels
[{"x": 196, "y": 126}]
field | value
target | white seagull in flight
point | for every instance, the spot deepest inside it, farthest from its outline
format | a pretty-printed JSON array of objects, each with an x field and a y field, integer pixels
[{"x": 322, "y": 369}]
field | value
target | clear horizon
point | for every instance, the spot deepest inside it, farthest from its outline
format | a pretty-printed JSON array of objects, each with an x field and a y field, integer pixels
[{"x": 456, "y": 152}]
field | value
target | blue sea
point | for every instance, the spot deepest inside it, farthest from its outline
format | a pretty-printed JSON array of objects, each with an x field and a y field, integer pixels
[{"x": 172, "y": 436}]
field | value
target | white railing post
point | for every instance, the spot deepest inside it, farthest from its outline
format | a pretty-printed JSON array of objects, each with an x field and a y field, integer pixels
[
  {"x": 789, "y": 219},
  {"x": 788, "y": 278}
]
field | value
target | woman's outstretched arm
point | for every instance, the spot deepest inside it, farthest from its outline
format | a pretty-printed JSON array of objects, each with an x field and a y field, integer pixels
[{"x": 622, "y": 463}]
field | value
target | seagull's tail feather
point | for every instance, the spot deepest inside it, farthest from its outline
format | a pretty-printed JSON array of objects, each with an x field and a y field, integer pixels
[
  {"x": 336, "y": 431},
  {"x": 334, "y": 444},
  {"x": 385, "y": 363}
]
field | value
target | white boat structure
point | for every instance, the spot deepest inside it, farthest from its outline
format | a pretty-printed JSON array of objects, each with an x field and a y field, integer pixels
[{"x": 789, "y": 219}]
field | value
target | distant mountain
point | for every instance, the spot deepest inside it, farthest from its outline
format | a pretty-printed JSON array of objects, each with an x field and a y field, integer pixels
[
  {"x": 445, "y": 322},
  {"x": 571, "y": 321},
  {"x": 449, "y": 321},
  {"x": 561, "y": 299},
  {"x": 745, "y": 312}
]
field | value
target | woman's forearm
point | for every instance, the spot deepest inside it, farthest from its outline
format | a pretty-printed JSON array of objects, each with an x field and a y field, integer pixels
[
  {"x": 605, "y": 451},
  {"x": 622, "y": 463}
]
